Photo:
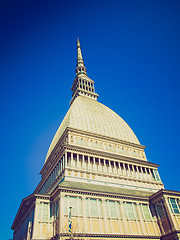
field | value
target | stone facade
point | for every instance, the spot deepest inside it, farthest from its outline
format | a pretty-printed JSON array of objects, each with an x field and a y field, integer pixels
[{"x": 97, "y": 167}]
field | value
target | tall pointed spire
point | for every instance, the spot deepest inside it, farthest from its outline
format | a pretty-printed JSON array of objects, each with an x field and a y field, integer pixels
[
  {"x": 82, "y": 85},
  {"x": 80, "y": 63}
]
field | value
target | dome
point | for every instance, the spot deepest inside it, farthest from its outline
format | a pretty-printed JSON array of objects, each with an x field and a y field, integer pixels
[{"x": 89, "y": 115}]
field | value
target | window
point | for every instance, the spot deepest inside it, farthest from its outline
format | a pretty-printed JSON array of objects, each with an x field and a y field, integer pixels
[
  {"x": 73, "y": 204},
  {"x": 52, "y": 209},
  {"x": 79, "y": 206},
  {"x": 112, "y": 209},
  {"x": 100, "y": 207},
  {"x": 153, "y": 174},
  {"x": 131, "y": 211},
  {"x": 156, "y": 175},
  {"x": 57, "y": 208},
  {"x": 174, "y": 205},
  {"x": 146, "y": 213},
  {"x": 93, "y": 208},
  {"x": 43, "y": 211},
  {"x": 65, "y": 205},
  {"x": 160, "y": 211}
]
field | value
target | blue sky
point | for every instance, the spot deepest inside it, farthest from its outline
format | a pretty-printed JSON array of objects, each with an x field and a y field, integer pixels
[{"x": 131, "y": 50}]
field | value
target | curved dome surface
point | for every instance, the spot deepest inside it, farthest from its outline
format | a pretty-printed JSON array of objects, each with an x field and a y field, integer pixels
[{"x": 89, "y": 115}]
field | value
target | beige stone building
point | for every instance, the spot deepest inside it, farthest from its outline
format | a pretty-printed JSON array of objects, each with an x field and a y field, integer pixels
[{"x": 96, "y": 166}]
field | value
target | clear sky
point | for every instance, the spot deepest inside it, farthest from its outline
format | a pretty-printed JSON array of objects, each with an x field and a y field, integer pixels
[{"x": 131, "y": 50}]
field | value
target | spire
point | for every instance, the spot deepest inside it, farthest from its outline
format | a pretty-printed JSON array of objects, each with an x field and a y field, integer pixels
[
  {"x": 82, "y": 85},
  {"x": 80, "y": 63}
]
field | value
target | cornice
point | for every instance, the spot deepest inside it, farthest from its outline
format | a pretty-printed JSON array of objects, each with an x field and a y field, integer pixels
[
  {"x": 69, "y": 129},
  {"x": 97, "y": 193},
  {"x": 55, "y": 150},
  {"x": 105, "y": 137},
  {"x": 113, "y": 156},
  {"x": 27, "y": 204},
  {"x": 105, "y": 235},
  {"x": 115, "y": 176},
  {"x": 164, "y": 192}
]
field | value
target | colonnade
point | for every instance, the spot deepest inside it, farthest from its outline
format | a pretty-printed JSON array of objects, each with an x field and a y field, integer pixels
[
  {"x": 97, "y": 165},
  {"x": 112, "y": 167}
]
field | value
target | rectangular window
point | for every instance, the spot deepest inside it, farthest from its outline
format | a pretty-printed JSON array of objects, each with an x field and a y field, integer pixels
[
  {"x": 100, "y": 207},
  {"x": 118, "y": 209},
  {"x": 129, "y": 211},
  {"x": 57, "y": 209},
  {"x": 153, "y": 174},
  {"x": 65, "y": 206},
  {"x": 174, "y": 205},
  {"x": 73, "y": 205},
  {"x": 43, "y": 211},
  {"x": 156, "y": 175},
  {"x": 93, "y": 208},
  {"x": 79, "y": 206},
  {"x": 112, "y": 209},
  {"x": 146, "y": 212},
  {"x": 87, "y": 207},
  {"x": 160, "y": 211},
  {"x": 106, "y": 207},
  {"x": 52, "y": 209}
]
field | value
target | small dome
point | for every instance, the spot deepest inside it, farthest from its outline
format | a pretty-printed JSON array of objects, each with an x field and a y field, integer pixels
[{"x": 89, "y": 115}]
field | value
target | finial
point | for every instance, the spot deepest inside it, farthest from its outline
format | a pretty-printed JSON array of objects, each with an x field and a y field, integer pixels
[
  {"x": 80, "y": 63},
  {"x": 82, "y": 84}
]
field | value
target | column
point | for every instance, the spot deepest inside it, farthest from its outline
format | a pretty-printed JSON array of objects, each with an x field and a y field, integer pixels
[
  {"x": 133, "y": 171},
  {"x": 152, "y": 174},
  {"x": 120, "y": 170},
  {"x": 115, "y": 168},
  {"x": 89, "y": 208},
  {"x": 83, "y": 162},
  {"x": 61, "y": 164},
  {"x": 109, "y": 167},
  {"x": 144, "y": 173},
  {"x": 147, "y": 175},
  {"x": 99, "y": 165},
  {"x": 158, "y": 175},
  {"x": 173, "y": 224},
  {"x": 153, "y": 216},
  {"x": 105, "y": 215},
  {"x": 99, "y": 202},
  {"x": 138, "y": 172},
  {"x": 35, "y": 224},
  {"x": 71, "y": 160},
  {"x": 129, "y": 171},
  {"x": 105, "y": 168},
  {"x": 141, "y": 173},
  {"x": 84, "y": 210},
  {"x": 117, "y": 205},
  {"x": 74, "y": 161},
  {"x": 124, "y": 170},
  {"x": 78, "y": 162},
  {"x": 123, "y": 214},
  {"x": 139, "y": 212},
  {"x": 94, "y": 164},
  {"x": 89, "y": 165},
  {"x": 128, "y": 221},
  {"x": 65, "y": 164},
  {"x": 108, "y": 207},
  {"x": 61, "y": 213}
]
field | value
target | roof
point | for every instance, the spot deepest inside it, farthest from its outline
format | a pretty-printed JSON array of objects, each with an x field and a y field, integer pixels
[
  {"x": 91, "y": 116},
  {"x": 104, "y": 189}
]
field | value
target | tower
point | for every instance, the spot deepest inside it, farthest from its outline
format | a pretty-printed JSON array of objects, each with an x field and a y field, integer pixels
[{"x": 96, "y": 166}]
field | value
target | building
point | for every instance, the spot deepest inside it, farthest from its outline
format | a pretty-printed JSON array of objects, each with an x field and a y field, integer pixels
[{"x": 96, "y": 166}]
